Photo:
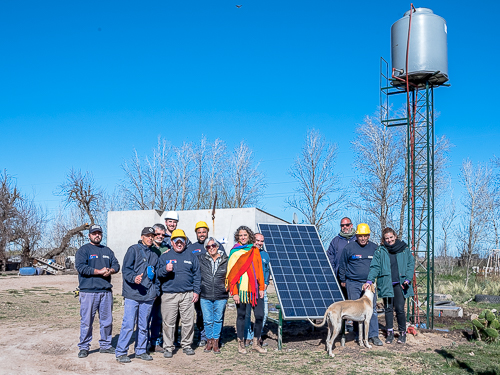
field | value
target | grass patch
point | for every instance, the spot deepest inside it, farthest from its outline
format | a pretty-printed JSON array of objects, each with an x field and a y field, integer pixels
[
  {"x": 44, "y": 301},
  {"x": 13, "y": 291}
]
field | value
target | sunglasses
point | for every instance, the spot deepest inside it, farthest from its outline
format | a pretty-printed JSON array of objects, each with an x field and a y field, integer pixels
[
  {"x": 160, "y": 234},
  {"x": 345, "y": 225},
  {"x": 211, "y": 247}
]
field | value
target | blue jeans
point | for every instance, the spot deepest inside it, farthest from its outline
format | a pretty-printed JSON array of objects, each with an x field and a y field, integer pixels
[
  {"x": 248, "y": 323},
  {"x": 90, "y": 303},
  {"x": 354, "y": 291},
  {"x": 213, "y": 313},
  {"x": 155, "y": 330},
  {"x": 135, "y": 313}
]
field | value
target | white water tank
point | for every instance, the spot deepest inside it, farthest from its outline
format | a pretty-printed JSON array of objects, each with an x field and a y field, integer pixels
[{"x": 428, "y": 52}]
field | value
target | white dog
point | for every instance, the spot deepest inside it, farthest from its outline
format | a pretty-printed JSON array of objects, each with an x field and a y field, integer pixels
[{"x": 360, "y": 310}]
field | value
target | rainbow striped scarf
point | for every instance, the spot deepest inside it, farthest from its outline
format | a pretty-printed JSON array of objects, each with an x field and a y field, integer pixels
[{"x": 244, "y": 273}]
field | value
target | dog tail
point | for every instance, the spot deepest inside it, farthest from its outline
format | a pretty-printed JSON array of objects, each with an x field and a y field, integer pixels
[{"x": 322, "y": 323}]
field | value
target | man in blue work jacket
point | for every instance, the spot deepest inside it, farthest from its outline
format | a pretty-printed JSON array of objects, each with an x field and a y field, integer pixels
[{"x": 95, "y": 264}]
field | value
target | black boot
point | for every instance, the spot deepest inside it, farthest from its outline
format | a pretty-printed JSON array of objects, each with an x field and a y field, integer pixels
[
  {"x": 390, "y": 336},
  {"x": 402, "y": 338}
]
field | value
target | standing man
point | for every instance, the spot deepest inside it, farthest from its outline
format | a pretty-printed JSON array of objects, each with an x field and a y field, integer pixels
[
  {"x": 155, "y": 331},
  {"x": 353, "y": 272},
  {"x": 179, "y": 274},
  {"x": 95, "y": 264},
  {"x": 259, "y": 242},
  {"x": 171, "y": 221},
  {"x": 346, "y": 235},
  {"x": 140, "y": 288},
  {"x": 198, "y": 248}
]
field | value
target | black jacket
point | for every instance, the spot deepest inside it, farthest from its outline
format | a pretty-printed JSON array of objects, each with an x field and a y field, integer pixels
[
  {"x": 90, "y": 257},
  {"x": 213, "y": 286}
]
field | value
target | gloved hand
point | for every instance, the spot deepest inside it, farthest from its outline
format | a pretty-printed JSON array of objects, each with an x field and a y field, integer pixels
[{"x": 151, "y": 272}]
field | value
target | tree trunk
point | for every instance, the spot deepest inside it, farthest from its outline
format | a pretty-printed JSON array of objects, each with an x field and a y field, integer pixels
[{"x": 66, "y": 239}]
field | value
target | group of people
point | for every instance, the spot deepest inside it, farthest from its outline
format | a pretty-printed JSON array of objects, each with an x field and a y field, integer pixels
[
  {"x": 168, "y": 280},
  {"x": 358, "y": 263}
]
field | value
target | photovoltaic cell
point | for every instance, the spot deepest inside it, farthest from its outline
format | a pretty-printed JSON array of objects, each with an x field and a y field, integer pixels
[{"x": 303, "y": 277}]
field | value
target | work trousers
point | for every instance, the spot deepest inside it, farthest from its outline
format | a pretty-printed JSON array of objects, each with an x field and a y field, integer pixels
[
  {"x": 199, "y": 320},
  {"x": 395, "y": 303},
  {"x": 248, "y": 322},
  {"x": 258, "y": 311},
  {"x": 173, "y": 304},
  {"x": 135, "y": 313},
  {"x": 155, "y": 331},
  {"x": 355, "y": 291},
  {"x": 90, "y": 303}
]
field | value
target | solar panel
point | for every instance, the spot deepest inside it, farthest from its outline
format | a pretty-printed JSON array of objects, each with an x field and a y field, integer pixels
[{"x": 303, "y": 277}]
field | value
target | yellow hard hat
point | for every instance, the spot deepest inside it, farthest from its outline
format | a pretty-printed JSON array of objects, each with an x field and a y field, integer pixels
[
  {"x": 178, "y": 233},
  {"x": 201, "y": 224},
  {"x": 363, "y": 229}
]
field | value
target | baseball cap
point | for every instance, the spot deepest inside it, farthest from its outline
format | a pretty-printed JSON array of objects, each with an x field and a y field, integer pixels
[
  {"x": 147, "y": 230},
  {"x": 95, "y": 228}
]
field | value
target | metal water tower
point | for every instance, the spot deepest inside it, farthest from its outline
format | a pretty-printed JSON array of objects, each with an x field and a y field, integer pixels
[{"x": 419, "y": 59}]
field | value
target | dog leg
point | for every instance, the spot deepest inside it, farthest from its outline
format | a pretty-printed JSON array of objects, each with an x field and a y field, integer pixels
[
  {"x": 366, "y": 330},
  {"x": 336, "y": 329}
]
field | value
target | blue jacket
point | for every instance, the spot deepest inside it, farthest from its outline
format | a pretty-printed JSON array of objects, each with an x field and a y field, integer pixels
[
  {"x": 334, "y": 251},
  {"x": 90, "y": 257},
  {"x": 136, "y": 261},
  {"x": 265, "y": 266},
  {"x": 355, "y": 261},
  {"x": 185, "y": 276}
]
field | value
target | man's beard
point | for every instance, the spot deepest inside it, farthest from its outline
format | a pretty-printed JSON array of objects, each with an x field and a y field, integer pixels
[{"x": 95, "y": 241}]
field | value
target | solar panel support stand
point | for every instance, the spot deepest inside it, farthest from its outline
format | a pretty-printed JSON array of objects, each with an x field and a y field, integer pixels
[{"x": 279, "y": 323}]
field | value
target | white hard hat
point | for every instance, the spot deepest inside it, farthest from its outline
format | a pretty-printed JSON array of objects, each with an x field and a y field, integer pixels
[{"x": 172, "y": 215}]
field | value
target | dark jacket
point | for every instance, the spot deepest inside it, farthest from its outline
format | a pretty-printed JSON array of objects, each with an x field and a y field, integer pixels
[
  {"x": 135, "y": 264},
  {"x": 380, "y": 269},
  {"x": 213, "y": 286},
  {"x": 90, "y": 257},
  {"x": 185, "y": 276},
  {"x": 334, "y": 251},
  {"x": 355, "y": 261}
]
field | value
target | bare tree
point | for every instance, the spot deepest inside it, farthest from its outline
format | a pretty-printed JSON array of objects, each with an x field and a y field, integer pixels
[
  {"x": 10, "y": 198},
  {"x": 147, "y": 183},
  {"x": 477, "y": 205},
  {"x": 244, "y": 181},
  {"x": 30, "y": 229},
  {"x": 379, "y": 162},
  {"x": 181, "y": 174},
  {"x": 319, "y": 195},
  {"x": 209, "y": 171},
  {"x": 80, "y": 191}
]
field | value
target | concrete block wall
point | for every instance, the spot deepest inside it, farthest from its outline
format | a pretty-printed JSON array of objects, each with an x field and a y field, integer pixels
[{"x": 124, "y": 227}]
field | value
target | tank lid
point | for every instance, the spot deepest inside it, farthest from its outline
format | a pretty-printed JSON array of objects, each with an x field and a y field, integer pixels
[{"x": 419, "y": 10}]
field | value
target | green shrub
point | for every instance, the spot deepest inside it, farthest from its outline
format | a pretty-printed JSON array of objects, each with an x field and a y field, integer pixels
[
  {"x": 491, "y": 333},
  {"x": 490, "y": 316},
  {"x": 487, "y": 327},
  {"x": 495, "y": 324}
]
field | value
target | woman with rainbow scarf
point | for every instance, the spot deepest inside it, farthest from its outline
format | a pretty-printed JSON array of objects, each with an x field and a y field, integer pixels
[{"x": 245, "y": 283}]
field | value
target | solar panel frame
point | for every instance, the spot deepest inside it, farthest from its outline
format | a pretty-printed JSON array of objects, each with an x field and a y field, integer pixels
[{"x": 299, "y": 303}]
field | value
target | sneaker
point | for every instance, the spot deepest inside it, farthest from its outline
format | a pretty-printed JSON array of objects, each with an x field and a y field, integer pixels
[
  {"x": 402, "y": 338},
  {"x": 168, "y": 354},
  {"x": 188, "y": 351},
  {"x": 375, "y": 341},
  {"x": 202, "y": 343},
  {"x": 83, "y": 353},
  {"x": 123, "y": 359},
  {"x": 109, "y": 350},
  {"x": 144, "y": 357},
  {"x": 390, "y": 337}
]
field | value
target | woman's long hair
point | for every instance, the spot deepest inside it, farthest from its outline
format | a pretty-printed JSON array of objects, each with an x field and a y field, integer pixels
[{"x": 251, "y": 234}]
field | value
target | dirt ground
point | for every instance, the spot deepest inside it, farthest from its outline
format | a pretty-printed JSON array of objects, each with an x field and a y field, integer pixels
[{"x": 39, "y": 316}]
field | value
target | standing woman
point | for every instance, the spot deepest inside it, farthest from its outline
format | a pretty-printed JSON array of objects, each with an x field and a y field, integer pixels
[
  {"x": 245, "y": 282},
  {"x": 213, "y": 296},
  {"x": 393, "y": 266}
]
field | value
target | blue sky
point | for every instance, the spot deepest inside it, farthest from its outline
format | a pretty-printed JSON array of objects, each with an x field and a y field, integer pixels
[{"x": 84, "y": 83}]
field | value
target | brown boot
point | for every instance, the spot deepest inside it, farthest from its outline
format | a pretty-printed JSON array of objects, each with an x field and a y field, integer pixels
[
  {"x": 209, "y": 346},
  {"x": 216, "y": 348},
  {"x": 256, "y": 346},
  {"x": 241, "y": 347}
]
